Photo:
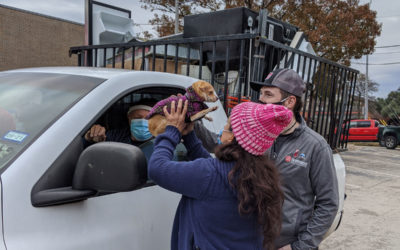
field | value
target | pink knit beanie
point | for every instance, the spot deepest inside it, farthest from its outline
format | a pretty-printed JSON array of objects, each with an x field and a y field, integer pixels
[{"x": 256, "y": 126}]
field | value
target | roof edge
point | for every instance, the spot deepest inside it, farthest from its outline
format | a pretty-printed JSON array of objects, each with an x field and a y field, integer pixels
[{"x": 42, "y": 15}]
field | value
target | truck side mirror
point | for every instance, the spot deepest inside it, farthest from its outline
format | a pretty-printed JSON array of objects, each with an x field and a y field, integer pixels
[{"x": 110, "y": 167}]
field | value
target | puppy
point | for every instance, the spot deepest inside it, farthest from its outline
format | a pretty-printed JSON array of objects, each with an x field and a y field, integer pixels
[{"x": 196, "y": 94}]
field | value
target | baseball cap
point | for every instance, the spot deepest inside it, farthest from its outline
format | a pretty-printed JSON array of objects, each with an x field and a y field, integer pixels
[
  {"x": 140, "y": 106},
  {"x": 285, "y": 79}
]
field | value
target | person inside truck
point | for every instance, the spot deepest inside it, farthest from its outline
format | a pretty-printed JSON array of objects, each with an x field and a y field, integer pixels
[
  {"x": 137, "y": 133},
  {"x": 305, "y": 162},
  {"x": 226, "y": 202}
]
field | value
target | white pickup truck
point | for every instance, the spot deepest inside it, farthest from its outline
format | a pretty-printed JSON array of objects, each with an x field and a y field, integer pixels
[{"x": 51, "y": 199}]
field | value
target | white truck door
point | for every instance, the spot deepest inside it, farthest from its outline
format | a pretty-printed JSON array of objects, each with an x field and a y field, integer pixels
[{"x": 140, "y": 219}]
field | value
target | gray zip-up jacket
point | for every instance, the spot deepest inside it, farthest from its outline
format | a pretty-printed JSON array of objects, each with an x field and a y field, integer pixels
[{"x": 309, "y": 181}]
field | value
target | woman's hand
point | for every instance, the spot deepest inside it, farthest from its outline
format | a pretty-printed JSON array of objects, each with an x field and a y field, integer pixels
[{"x": 177, "y": 116}]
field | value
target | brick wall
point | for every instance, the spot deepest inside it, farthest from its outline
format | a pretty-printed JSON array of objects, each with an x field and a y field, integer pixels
[{"x": 34, "y": 40}]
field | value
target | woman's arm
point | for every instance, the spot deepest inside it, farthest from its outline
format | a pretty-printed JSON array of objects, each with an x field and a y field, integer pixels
[
  {"x": 188, "y": 178},
  {"x": 194, "y": 146}
]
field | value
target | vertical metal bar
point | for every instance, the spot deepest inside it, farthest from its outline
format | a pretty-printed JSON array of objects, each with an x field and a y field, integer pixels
[
  {"x": 329, "y": 89},
  {"x": 292, "y": 60},
  {"x": 246, "y": 87},
  {"x": 324, "y": 101},
  {"x": 347, "y": 92},
  {"x": 270, "y": 60},
  {"x": 333, "y": 109},
  {"x": 338, "y": 111},
  {"x": 123, "y": 58},
  {"x": 154, "y": 58},
  {"x": 213, "y": 62},
  {"x": 201, "y": 61},
  {"x": 176, "y": 58},
  {"x": 304, "y": 67},
  {"x": 143, "y": 57},
  {"x": 316, "y": 88},
  {"x": 298, "y": 63},
  {"x": 311, "y": 93},
  {"x": 261, "y": 62},
  {"x": 353, "y": 87},
  {"x": 133, "y": 57},
  {"x": 226, "y": 77},
  {"x": 241, "y": 70},
  {"x": 104, "y": 57},
  {"x": 165, "y": 57},
  {"x": 349, "y": 110},
  {"x": 278, "y": 59},
  {"x": 330, "y": 125},
  {"x": 286, "y": 59},
  {"x": 320, "y": 89},
  {"x": 344, "y": 112},
  {"x": 307, "y": 84},
  {"x": 95, "y": 57},
  {"x": 188, "y": 60},
  {"x": 113, "y": 57}
]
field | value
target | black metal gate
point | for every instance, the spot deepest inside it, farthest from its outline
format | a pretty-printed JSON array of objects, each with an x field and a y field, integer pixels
[{"x": 230, "y": 62}]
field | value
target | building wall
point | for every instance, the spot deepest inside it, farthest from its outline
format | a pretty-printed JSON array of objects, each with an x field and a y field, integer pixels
[{"x": 33, "y": 40}]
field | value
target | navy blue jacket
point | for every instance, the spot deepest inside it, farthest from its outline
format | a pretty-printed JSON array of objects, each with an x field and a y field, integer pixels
[{"x": 207, "y": 216}]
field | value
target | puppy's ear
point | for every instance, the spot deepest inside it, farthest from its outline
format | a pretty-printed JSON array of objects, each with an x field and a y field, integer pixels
[{"x": 205, "y": 86}]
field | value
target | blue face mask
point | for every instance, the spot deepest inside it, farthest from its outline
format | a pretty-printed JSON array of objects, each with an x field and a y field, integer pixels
[
  {"x": 140, "y": 129},
  {"x": 219, "y": 137},
  {"x": 220, "y": 134}
]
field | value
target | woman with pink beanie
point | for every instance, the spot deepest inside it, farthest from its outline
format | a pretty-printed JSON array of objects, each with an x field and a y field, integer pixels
[{"x": 230, "y": 202}]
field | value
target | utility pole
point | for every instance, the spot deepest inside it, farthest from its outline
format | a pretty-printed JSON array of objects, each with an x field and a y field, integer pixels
[
  {"x": 366, "y": 93},
  {"x": 176, "y": 17},
  {"x": 366, "y": 84}
]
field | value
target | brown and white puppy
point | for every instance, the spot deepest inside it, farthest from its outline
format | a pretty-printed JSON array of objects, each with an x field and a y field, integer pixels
[{"x": 196, "y": 94}]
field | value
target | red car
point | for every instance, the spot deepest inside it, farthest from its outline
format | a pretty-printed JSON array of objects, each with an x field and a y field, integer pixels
[{"x": 363, "y": 130}]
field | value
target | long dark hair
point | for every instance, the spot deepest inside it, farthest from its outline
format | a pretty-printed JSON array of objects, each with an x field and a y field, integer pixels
[{"x": 256, "y": 181}]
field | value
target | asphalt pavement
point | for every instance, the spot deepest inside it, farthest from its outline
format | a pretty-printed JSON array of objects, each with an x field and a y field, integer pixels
[{"x": 372, "y": 208}]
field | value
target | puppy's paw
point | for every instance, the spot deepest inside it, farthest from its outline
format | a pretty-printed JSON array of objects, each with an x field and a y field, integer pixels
[{"x": 208, "y": 118}]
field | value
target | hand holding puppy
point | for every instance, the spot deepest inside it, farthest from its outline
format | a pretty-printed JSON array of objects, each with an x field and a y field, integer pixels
[{"x": 177, "y": 116}]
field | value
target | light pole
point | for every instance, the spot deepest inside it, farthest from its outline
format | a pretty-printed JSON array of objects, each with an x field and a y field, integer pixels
[
  {"x": 176, "y": 17},
  {"x": 366, "y": 85}
]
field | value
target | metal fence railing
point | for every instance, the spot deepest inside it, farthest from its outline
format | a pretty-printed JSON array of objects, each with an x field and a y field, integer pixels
[{"x": 230, "y": 62}]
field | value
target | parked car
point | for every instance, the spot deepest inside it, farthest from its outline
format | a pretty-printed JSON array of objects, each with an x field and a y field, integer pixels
[
  {"x": 389, "y": 136},
  {"x": 51, "y": 197},
  {"x": 363, "y": 130}
]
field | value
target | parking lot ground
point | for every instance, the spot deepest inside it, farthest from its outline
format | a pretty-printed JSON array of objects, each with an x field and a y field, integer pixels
[{"x": 372, "y": 208}]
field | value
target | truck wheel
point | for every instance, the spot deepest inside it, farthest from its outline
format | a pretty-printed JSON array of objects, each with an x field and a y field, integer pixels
[{"x": 390, "y": 142}]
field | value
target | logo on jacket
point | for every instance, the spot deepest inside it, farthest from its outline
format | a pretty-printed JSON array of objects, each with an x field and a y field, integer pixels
[
  {"x": 297, "y": 158},
  {"x": 296, "y": 153}
]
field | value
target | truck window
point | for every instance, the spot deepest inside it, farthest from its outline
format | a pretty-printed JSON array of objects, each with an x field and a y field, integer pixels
[
  {"x": 364, "y": 124},
  {"x": 353, "y": 124},
  {"x": 31, "y": 102}
]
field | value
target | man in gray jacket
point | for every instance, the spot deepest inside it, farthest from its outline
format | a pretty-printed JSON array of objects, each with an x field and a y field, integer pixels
[{"x": 305, "y": 162}]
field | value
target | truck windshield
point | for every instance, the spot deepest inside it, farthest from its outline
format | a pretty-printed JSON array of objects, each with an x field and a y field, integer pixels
[{"x": 31, "y": 102}]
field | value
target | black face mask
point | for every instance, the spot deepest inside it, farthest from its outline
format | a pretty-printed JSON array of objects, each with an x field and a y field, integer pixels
[
  {"x": 261, "y": 102},
  {"x": 276, "y": 103}
]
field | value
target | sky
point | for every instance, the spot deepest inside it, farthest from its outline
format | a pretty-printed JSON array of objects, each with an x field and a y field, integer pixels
[{"x": 388, "y": 13}]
